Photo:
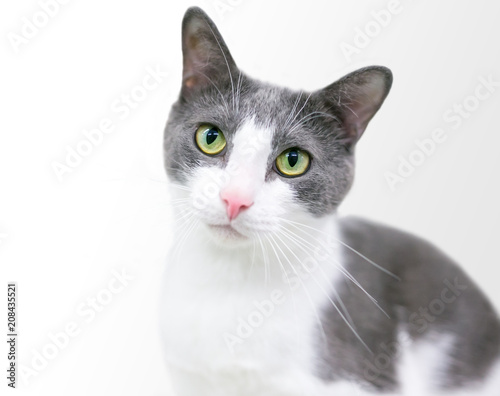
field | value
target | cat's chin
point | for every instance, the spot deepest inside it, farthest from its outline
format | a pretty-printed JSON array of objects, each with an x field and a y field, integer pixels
[{"x": 226, "y": 235}]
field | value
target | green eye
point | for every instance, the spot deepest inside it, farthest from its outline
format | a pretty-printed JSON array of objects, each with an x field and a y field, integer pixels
[
  {"x": 210, "y": 139},
  {"x": 293, "y": 162}
]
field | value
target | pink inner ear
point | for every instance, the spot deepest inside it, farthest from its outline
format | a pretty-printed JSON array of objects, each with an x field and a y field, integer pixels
[
  {"x": 365, "y": 103},
  {"x": 206, "y": 56},
  {"x": 236, "y": 201}
]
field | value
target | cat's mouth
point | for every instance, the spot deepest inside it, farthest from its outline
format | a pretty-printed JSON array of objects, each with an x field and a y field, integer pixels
[{"x": 226, "y": 231}]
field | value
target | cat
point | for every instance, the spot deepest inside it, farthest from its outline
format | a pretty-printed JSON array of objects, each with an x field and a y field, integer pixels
[{"x": 267, "y": 291}]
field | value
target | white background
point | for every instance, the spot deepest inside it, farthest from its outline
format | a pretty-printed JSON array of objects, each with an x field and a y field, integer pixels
[{"x": 61, "y": 240}]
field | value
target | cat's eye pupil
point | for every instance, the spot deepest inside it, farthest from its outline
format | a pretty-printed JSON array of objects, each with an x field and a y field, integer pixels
[
  {"x": 293, "y": 158},
  {"x": 292, "y": 162},
  {"x": 212, "y": 135},
  {"x": 210, "y": 139}
]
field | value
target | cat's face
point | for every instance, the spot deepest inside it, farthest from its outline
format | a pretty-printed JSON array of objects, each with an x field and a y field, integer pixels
[{"x": 248, "y": 157}]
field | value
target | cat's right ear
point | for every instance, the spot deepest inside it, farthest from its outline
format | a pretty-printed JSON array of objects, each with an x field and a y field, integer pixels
[
  {"x": 355, "y": 98},
  {"x": 206, "y": 57}
]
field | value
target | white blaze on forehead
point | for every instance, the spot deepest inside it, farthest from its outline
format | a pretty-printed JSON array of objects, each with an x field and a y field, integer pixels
[{"x": 247, "y": 164}]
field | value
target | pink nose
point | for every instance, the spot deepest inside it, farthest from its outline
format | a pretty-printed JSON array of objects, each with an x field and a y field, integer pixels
[{"x": 235, "y": 202}]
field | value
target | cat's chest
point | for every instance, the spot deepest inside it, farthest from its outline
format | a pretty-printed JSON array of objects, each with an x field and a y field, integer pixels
[
  {"x": 234, "y": 319},
  {"x": 214, "y": 321}
]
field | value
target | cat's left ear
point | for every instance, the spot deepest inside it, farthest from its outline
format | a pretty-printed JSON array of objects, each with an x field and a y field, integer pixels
[
  {"x": 356, "y": 98},
  {"x": 207, "y": 59}
]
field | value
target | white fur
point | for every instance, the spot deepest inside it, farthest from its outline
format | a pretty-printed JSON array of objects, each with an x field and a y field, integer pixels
[
  {"x": 210, "y": 288},
  {"x": 423, "y": 363},
  {"x": 492, "y": 385}
]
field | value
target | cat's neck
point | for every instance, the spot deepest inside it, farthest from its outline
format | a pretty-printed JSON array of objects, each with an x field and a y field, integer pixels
[{"x": 300, "y": 253}]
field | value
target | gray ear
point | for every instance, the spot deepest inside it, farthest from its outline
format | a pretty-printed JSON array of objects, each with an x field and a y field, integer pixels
[
  {"x": 356, "y": 98},
  {"x": 206, "y": 56}
]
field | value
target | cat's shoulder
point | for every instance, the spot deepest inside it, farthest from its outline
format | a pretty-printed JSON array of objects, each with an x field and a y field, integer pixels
[
  {"x": 396, "y": 250},
  {"x": 368, "y": 233}
]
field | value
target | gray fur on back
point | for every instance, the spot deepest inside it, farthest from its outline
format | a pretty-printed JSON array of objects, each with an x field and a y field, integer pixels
[{"x": 413, "y": 303}]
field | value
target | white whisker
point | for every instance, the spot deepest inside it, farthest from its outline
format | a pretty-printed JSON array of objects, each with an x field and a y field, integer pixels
[
  {"x": 303, "y": 285},
  {"x": 347, "y": 322},
  {"x": 337, "y": 265},
  {"x": 302, "y": 108},
  {"x": 291, "y": 114},
  {"x": 225, "y": 59},
  {"x": 296, "y": 224},
  {"x": 334, "y": 290}
]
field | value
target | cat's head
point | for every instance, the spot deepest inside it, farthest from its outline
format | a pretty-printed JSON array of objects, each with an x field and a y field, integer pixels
[{"x": 246, "y": 156}]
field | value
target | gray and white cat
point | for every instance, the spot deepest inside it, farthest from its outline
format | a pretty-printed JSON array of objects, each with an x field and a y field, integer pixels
[{"x": 267, "y": 292}]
